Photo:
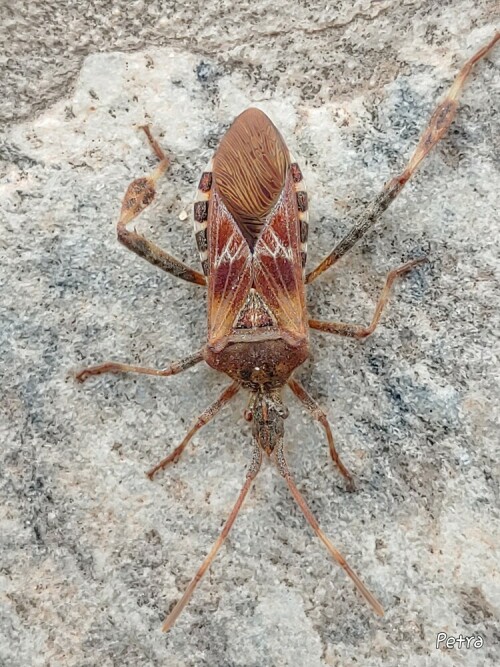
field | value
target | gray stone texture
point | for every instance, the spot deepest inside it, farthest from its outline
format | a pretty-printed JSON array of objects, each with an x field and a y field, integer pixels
[{"x": 93, "y": 554}]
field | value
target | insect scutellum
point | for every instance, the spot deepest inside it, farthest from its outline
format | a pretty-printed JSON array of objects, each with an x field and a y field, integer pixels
[{"x": 251, "y": 227}]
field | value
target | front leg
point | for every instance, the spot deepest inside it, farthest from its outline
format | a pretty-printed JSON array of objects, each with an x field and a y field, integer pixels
[
  {"x": 139, "y": 195},
  {"x": 206, "y": 416},
  {"x": 318, "y": 414},
  {"x": 359, "y": 331}
]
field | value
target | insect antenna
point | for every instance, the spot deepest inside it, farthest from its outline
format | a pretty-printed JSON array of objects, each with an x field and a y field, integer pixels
[
  {"x": 336, "y": 555},
  {"x": 251, "y": 475}
]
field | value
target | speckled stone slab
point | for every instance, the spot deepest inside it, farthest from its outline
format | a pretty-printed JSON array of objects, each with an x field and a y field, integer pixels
[{"x": 93, "y": 554}]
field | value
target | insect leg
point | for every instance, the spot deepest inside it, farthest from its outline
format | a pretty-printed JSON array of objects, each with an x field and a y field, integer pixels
[
  {"x": 357, "y": 330},
  {"x": 336, "y": 555},
  {"x": 251, "y": 474},
  {"x": 318, "y": 414},
  {"x": 206, "y": 416},
  {"x": 111, "y": 367},
  {"x": 438, "y": 125},
  {"x": 140, "y": 193}
]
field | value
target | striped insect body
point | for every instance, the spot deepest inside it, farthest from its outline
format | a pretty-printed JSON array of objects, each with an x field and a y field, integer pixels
[{"x": 251, "y": 228}]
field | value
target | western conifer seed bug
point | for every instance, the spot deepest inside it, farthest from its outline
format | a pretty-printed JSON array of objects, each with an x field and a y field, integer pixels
[{"x": 251, "y": 223}]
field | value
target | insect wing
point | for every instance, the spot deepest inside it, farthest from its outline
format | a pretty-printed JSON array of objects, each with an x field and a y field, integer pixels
[
  {"x": 229, "y": 273},
  {"x": 277, "y": 262}
]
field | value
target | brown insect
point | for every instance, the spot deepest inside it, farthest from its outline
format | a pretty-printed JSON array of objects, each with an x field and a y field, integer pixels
[{"x": 251, "y": 224}]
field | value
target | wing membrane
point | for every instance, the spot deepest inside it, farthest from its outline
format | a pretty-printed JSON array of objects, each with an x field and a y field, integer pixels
[{"x": 250, "y": 168}]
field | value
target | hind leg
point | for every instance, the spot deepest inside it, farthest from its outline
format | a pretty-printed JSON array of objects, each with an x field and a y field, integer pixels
[
  {"x": 437, "y": 127},
  {"x": 140, "y": 193}
]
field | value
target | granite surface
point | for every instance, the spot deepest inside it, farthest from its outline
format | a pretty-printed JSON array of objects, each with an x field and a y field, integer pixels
[{"x": 93, "y": 554}]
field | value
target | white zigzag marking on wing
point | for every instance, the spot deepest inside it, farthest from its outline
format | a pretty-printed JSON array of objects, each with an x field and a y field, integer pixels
[
  {"x": 227, "y": 257},
  {"x": 279, "y": 249},
  {"x": 230, "y": 251}
]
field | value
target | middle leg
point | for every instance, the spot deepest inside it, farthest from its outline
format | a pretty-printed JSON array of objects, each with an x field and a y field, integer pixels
[
  {"x": 318, "y": 414},
  {"x": 113, "y": 367},
  {"x": 357, "y": 330}
]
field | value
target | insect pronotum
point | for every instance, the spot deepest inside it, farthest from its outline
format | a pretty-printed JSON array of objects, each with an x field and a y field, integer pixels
[{"x": 251, "y": 222}]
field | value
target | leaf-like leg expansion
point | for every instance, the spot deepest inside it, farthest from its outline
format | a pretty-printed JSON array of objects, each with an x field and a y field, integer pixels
[
  {"x": 251, "y": 474},
  {"x": 112, "y": 367},
  {"x": 206, "y": 416},
  {"x": 318, "y": 414},
  {"x": 139, "y": 195},
  {"x": 357, "y": 330},
  {"x": 438, "y": 125},
  {"x": 336, "y": 555}
]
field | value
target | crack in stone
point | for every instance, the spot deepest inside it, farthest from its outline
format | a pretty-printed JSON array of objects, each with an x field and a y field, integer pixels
[{"x": 216, "y": 49}]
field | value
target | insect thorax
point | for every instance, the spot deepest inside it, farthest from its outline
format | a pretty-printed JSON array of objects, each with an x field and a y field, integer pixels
[{"x": 259, "y": 365}]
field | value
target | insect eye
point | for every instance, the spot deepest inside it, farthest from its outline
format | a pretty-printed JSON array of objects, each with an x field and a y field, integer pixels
[
  {"x": 248, "y": 414},
  {"x": 284, "y": 412}
]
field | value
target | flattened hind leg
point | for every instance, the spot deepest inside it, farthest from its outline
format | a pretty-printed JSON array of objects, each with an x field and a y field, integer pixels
[
  {"x": 437, "y": 127},
  {"x": 140, "y": 193}
]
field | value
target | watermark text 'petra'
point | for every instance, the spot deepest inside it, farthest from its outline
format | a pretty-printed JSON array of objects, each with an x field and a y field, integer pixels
[{"x": 448, "y": 641}]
